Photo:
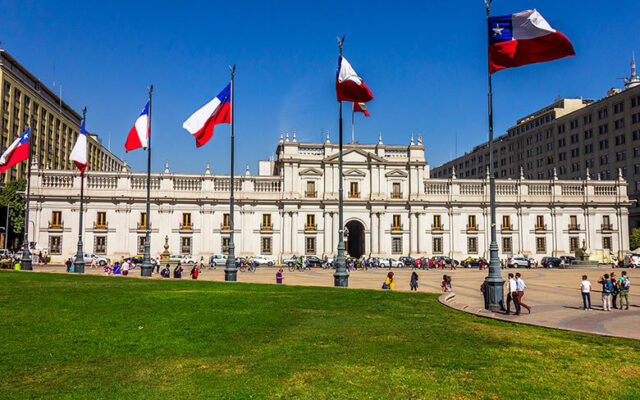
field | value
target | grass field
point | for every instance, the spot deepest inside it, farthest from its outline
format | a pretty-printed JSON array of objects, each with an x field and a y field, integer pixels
[{"x": 70, "y": 336}]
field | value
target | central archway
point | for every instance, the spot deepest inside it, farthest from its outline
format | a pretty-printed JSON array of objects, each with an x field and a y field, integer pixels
[{"x": 355, "y": 239}]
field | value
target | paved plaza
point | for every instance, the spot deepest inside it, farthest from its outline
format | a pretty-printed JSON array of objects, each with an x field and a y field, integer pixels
[{"x": 553, "y": 294}]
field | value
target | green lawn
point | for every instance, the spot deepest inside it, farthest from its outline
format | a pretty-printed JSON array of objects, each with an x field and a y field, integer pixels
[{"x": 70, "y": 336}]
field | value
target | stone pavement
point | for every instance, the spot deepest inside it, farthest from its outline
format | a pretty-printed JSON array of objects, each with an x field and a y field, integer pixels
[{"x": 553, "y": 294}]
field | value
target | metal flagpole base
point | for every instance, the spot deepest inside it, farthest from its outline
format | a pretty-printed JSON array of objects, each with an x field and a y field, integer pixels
[
  {"x": 146, "y": 269},
  {"x": 494, "y": 300},
  {"x": 341, "y": 276},
  {"x": 230, "y": 270},
  {"x": 25, "y": 261}
]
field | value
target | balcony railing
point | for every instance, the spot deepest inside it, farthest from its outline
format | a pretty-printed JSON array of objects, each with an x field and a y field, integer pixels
[
  {"x": 396, "y": 228},
  {"x": 225, "y": 227},
  {"x": 311, "y": 194},
  {"x": 58, "y": 225},
  {"x": 396, "y": 195},
  {"x": 100, "y": 226},
  {"x": 354, "y": 195},
  {"x": 141, "y": 227},
  {"x": 506, "y": 228},
  {"x": 606, "y": 227},
  {"x": 437, "y": 227},
  {"x": 574, "y": 227},
  {"x": 310, "y": 227},
  {"x": 542, "y": 227},
  {"x": 186, "y": 227},
  {"x": 472, "y": 228},
  {"x": 266, "y": 227}
]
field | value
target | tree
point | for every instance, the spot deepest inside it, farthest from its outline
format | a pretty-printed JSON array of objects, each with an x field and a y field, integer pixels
[
  {"x": 634, "y": 239},
  {"x": 13, "y": 194}
]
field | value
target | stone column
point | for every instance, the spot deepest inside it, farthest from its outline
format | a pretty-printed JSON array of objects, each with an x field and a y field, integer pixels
[
  {"x": 375, "y": 226},
  {"x": 327, "y": 233},
  {"x": 420, "y": 233},
  {"x": 381, "y": 228},
  {"x": 294, "y": 231},
  {"x": 286, "y": 233},
  {"x": 413, "y": 233}
]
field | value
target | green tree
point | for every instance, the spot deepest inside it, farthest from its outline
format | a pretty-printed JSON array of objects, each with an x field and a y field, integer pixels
[
  {"x": 634, "y": 239},
  {"x": 13, "y": 194}
]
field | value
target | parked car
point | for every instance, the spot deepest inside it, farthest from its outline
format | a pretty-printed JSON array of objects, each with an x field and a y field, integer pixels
[
  {"x": 407, "y": 261},
  {"x": 567, "y": 259},
  {"x": 219, "y": 259},
  {"x": 313, "y": 261},
  {"x": 473, "y": 262},
  {"x": 551, "y": 262},
  {"x": 631, "y": 260},
  {"x": 263, "y": 260},
  {"x": 518, "y": 260},
  {"x": 390, "y": 262},
  {"x": 100, "y": 260},
  {"x": 181, "y": 258}
]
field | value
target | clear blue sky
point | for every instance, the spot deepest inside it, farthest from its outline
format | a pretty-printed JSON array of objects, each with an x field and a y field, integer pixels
[{"x": 424, "y": 61}]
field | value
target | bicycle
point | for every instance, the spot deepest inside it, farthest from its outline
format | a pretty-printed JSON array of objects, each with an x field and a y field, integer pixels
[
  {"x": 299, "y": 267},
  {"x": 244, "y": 268}
]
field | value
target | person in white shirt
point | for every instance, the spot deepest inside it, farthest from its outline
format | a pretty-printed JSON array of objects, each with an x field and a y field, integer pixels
[
  {"x": 125, "y": 268},
  {"x": 585, "y": 288},
  {"x": 513, "y": 295},
  {"x": 520, "y": 286}
]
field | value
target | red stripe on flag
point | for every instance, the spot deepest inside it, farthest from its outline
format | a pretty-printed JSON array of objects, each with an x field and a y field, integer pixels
[
  {"x": 221, "y": 116},
  {"x": 516, "y": 53}
]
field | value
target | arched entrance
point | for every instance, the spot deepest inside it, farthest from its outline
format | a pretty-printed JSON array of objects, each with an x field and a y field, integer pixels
[{"x": 355, "y": 239}]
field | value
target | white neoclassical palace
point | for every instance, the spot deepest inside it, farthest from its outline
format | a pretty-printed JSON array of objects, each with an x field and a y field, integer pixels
[{"x": 391, "y": 208}]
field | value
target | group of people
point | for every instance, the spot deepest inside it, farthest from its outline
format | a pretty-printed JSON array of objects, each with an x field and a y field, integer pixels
[
  {"x": 613, "y": 288},
  {"x": 178, "y": 270},
  {"x": 434, "y": 262},
  {"x": 516, "y": 287}
]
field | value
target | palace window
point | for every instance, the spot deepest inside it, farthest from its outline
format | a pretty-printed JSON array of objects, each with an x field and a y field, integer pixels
[
  {"x": 397, "y": 223},
  {"x": 506, "y": 245},
  {"x": 266, "y": 222},
  {"x": 606, "y": 242},
  {"x": 310, "y": 245},
  {"x": 396, "y": 245},
  {"x": 101, "y": 220},
  {"x": 265, "y": 245},
  {"x": 353, "y": 190},
  {"x": 606, "y": 222},
  {"x": 55, "y": 244},
  {"x": 186, "y": 221},
  {"x": 574, "y": 243},
  {"x": 100, "y": 246},
  {"x": 573, "y": 222},
  {"x": 56, "y": 219},
  {"x": 225, "y": 245},
  {"x": 540, "y": 223},
  {"x": 437, "y": 223},
  {"x": 396, "y": 193},
  {"x": 185, "y": 244},
  {"x": 437, "y": 245},
  {"x": 471, "y": 224},
  {"x": 225, "y": 222},
  {"x": 311, "y": 190},
  {"x": 506, "y": 223},
  {"x": 541, "y": 245},
  {"x": 142, "y": 240},
  {"x": 142, "y": 224},
  {"x": 472, "y": 245},
  {"x": 311, "y": 222}
]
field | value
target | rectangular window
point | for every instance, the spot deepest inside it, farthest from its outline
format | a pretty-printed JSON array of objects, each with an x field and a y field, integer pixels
[
  {"x": 606, "y": 222},
  {"x": 265, "y": 245},
  {"x": 100, "y": 245},
  {"x": 506, "y": 223},
  {"x": 101, "y": 220},
  {"x": 141, "y": 242},
  {"x": 143, "y": 221},
  {"x": 396, "y": 194},
  {"x": 185, "y": 245},
  {"x": 606, "y": 242},
  {"x": 397, "y": 223},
  {"x": 506, "y": 245},
  {"x": 311, "y": 189},
  {"x": 471, "y": 225},
  {"x": 225, "y": 245},
  {"x": 55, "y": 244},
  {"x": 574, "y": 243},
  {"x": 56, "y": 219},
  {"x": 437, "y": 245},
  {"x": 186, "y": 221},
  {"x": 310, "y": 245},
  {"x": 541, "y": 245},
  {"x": 573, "y": 222},
  {"x": 266, "y": 222},
  {"x": 311, "y": 222},
  {"x": 472, "y": 245},
  {"x": 353, "y": 190},
  {"x": 226, "y": 222},
  {"x": 437, "y": 222},
  {"x": 540, "y": 223},
  {"x": 396, "y": 245}
]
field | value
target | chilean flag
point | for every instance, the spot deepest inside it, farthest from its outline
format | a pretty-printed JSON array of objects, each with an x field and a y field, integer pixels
[
  {"x": 217, "y": 111},
  {"x": 79, "y": 152},
  {"x": 17, "y": 152},
  {"x": 139, "y": 134},
  {"x": 361, "y": 107},
  {"x": 349, "y": 86},
  {"x": 524, "y": 38}
]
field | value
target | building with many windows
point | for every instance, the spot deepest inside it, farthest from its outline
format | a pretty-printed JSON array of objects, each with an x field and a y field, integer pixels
[
  {"x": 391, "y": 208},
  {"x": 570, "y": 139},
  {"x": 56, "y": 125}
]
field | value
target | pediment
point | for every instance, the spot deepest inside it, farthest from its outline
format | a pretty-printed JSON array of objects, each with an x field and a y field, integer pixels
[
  {"x": 355, "y": 156},
  {"x": 354, "y": 173},
  {"x": 310, "y": 172},
  {"x": 396, "y": 173}
]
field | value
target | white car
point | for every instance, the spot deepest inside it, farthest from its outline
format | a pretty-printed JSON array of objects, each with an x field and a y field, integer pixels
[
  {"x": 218, "y": 259},
  {"x": 518, "y": 261},
  {"x": 183, "y": 259},
  {"x": 263, "y": 260},
  {"x": 390, "y": 262},
  {"x": 631, "y": 259},
  {"x": 100, "y": 260}
]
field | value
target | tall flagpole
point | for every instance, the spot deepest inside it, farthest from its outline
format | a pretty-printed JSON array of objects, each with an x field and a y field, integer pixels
[
  {"x": 352, "y": 124},
  {"x": 78, "y": 265},
  {"x": 26, "y": 261},
  {"x": 341, "y": 276},
  {"x": 230, "y": 271},
  {"x": 494, "y": 281},
  {"x": 147, "y": 269}
]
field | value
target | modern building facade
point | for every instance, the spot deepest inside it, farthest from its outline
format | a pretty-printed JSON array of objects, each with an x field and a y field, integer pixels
[
  {"x": 56, "y": 124},
  {"x": 570, "y": 139},
  {"x": 391, "y": 208}
]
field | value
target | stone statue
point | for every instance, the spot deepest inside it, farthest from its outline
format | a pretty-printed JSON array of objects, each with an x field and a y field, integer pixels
[{"x": 581, "y": 252}]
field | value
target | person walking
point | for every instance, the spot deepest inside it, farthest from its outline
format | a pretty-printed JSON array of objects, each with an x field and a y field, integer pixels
[
  {"x": 446, "y": 283},
  {"x": 520, "y": 286},
  {"x": 116, "y": 268},
  {"x": 414, "y": 281},
  {"x": 513, "y": 295},
  {"x": 388, "y": 282},
  {"x": 125, "y": 268},
  {"x": 194, "y": 272},
  {"x": 624, "y": 284},
  {"x": 166, "y": 272},
  {"x": 606, "y": 292},
  {"x": 68, "y": 264},
  {"x": 94, "y": 264},
  {"x": 279, "y": 277},
  {"x": 585, "y": 289},
  {"x": 212, "y": 263},
  {"x": 615, "y": 290},
  {"x": 177, "y": 271}
]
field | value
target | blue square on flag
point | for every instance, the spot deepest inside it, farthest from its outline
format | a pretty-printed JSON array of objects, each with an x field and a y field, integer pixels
[{"x": 500, "y": 29}]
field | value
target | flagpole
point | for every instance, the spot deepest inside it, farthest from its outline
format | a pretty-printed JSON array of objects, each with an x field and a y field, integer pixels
[
  {"x": 494, "y": 281},
  {"x": 147, "y": 269},
  {"x": 341, "y": 276},
  {"x": 26, "y": 261},
  {"x": 230, "y": 271},
  {"x": 352, "y": 124},
  {"x": 78, "y": 265}
]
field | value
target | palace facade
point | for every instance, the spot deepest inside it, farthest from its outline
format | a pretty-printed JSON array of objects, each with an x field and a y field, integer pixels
[{"x": 391, "y": 208}]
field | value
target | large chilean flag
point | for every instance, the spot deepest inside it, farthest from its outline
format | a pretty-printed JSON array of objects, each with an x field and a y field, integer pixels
[
  {"x": 217, "y": 111},
  {"x": 139, "y": 134},
  {"x": 349, "y": 86},
  {"x": 17, "y": 152},
  {"x": 79, "y": 152},
  {"x": 524, "y": 38}
]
